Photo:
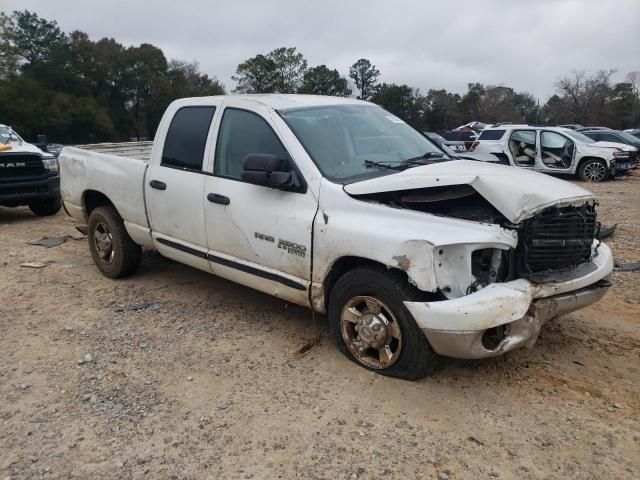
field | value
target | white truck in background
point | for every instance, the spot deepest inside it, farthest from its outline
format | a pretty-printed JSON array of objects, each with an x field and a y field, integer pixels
[
  {"x": 555, "y": 150},
  {"x": 28, "y": 174},
  {"x": 339, "y": 206}
]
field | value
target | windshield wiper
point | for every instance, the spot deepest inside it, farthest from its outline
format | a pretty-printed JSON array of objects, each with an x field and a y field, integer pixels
[
  {"x": 387, "y": 165},
  {"x": 424, "y": 159},
  {"x": 419, "y": 160}
]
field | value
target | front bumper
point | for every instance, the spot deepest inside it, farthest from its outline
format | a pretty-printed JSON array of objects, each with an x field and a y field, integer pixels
[
  {"x": 511, "y": 313},
  {"x": 21, "y": 191}
]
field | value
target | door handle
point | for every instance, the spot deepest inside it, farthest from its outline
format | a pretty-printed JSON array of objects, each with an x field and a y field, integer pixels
[
  {"x": 158, "y": 185},
  {"x": 221, "y": 199}
]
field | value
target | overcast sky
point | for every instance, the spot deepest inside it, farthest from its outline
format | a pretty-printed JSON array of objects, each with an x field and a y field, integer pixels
[{"x": 524, "y": 44}]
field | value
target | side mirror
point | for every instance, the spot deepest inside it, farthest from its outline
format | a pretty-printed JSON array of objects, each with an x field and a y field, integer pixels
[
  {"x": 41, "y": 142},
  {"x": 269, "y": 171}
]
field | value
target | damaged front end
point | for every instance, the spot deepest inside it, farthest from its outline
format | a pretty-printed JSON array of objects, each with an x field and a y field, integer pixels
[{"x": 494, "y": 297}]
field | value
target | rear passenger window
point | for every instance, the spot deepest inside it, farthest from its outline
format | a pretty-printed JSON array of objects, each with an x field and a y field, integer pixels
[
  {"x": 491, "y": 135},
  {"x": 187, "y": 137},
  {"x": 242, "y": 133},
  {"x": 607, "y": 137}
]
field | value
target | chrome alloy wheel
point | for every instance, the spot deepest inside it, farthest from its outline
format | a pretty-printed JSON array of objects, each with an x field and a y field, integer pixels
[
  {"x": 103, "y": 242},
  {"x": 371, "y": 332},
  {"x": 595, "y": 172}
]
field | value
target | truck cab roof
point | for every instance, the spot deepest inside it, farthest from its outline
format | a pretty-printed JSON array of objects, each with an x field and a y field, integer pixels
[{"x": 277, "y": 101}]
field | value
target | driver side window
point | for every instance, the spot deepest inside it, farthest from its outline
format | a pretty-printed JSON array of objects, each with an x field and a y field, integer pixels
[{"x": 241, "y": 133}]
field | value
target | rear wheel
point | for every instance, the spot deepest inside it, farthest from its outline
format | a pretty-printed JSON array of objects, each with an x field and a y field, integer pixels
[
  {"x": 593, "y": 170},
  {"x": 47, "y": 207},
  {"x": 112, "y": 249},
  {"x": 372, "y": 326}
]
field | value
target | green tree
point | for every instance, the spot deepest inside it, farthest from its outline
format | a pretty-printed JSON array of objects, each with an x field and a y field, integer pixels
[
  {"x": 321, "y": 80},
  {"x": 289, "y": 69},
  {"x": 255, "y": 75},
  {"x": 442, "y": 110},
  {"x": 624, "y": 105},
  {"x": 77, "y": 90},
  {"x": 471, "y": 101},
  {"x": 527, "y": 107},
  {"x": 148, "y": 88},
  {"x": 35, "y": 39},
  {"x": 365, "y": 76},
  {"x": 187, "y": 81},
  {"x": 8, "y": 52},
  {"x": 281, "y": 70},
  {"x": 401, "y": 100}
]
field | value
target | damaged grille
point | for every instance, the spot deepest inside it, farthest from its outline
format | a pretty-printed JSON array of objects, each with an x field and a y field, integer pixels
[{"x": 556, "y": 239}]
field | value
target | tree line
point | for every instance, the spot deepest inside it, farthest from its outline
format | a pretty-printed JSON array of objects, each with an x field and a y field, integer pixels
[
  {"x": 580, "y": 98},
  {"x": 79, "y": 90}
]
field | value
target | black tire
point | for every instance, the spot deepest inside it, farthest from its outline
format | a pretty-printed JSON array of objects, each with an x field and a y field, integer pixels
[
  {"x": 47, "y": 207},
  {"x": 593, "y": 170},
  {"x": 124, "y": 257},
  {"x": 416, "y": 359}
]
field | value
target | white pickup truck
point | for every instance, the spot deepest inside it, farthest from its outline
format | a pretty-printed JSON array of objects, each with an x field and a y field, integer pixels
[{"x": 337, "y": 205}]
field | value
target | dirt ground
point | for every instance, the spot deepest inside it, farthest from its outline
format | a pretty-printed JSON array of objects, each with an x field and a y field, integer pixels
[{"x": 204, "y": 382}]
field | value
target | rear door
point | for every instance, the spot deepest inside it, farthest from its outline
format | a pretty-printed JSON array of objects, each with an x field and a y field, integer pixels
[
  {"x": 257, "y": 236},
  {"x": 174, "y": 185},
  {"x": 522, "y": 148}
]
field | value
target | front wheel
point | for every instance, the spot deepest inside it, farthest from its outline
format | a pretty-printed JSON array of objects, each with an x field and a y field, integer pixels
[
  {"x": 45, "y": 208},
  {"x": 372, "y": 326},
  {"x": 112, "y": 249},
  {"x": 593, "y": 170}
]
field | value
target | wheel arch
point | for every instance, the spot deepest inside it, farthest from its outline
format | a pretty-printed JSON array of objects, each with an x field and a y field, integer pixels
[
  {"x": 586, "y": 159},
  {"x": 347, "y": 263},
  {"x": 590, "y": 157},
  {"x": 92, "y": 199}
]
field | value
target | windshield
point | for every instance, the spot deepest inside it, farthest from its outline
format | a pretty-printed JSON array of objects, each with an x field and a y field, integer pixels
[
  {"x": 351, "y": 142},
  {"x": 579, "y": 136},
  {"x": 435, "y": 136},
  {"x": 628, "y": 137},
  {"x": 8, "y": 134}
]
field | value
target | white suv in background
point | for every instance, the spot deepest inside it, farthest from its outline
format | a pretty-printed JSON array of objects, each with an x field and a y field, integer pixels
[{"x": 556, "y": 150}]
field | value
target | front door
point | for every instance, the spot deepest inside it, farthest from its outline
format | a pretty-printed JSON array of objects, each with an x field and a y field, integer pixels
[
  {"x": 557, "y": 152},
  {"x": 257, "y": 235}
]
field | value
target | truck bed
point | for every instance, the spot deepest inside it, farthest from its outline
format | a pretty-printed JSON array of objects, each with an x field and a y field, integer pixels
[
  {"x": 116, "y": 170},
  {"x": 137, "y": 150}
]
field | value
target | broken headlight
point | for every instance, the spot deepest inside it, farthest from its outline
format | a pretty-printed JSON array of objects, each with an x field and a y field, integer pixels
[
  {"x": 466, "y": 268},
  {"x": 488, "y": 265}
]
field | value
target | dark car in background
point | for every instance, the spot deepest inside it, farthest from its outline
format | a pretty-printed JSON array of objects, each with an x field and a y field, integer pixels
[
  {"x": 615, "y": 136},
  {"x": 588, "y": 129},
  {"x": 456, "y": 146},
  {"x": 467, "y": 136},
  {"x": 633, "y": 131}
]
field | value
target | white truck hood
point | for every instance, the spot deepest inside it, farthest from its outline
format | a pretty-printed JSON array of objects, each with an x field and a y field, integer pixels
[
  {"x": 24, "y": 147},
  {"x": 622, "y": 146},
  {"x": 515, "y": 193}
]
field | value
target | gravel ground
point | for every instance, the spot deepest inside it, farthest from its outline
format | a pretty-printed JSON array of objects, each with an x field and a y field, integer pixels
[{"x": 177, "y": 374}]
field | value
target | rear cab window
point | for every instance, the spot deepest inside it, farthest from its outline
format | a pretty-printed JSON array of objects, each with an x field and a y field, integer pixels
[{"x": 187, "y": 137}]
